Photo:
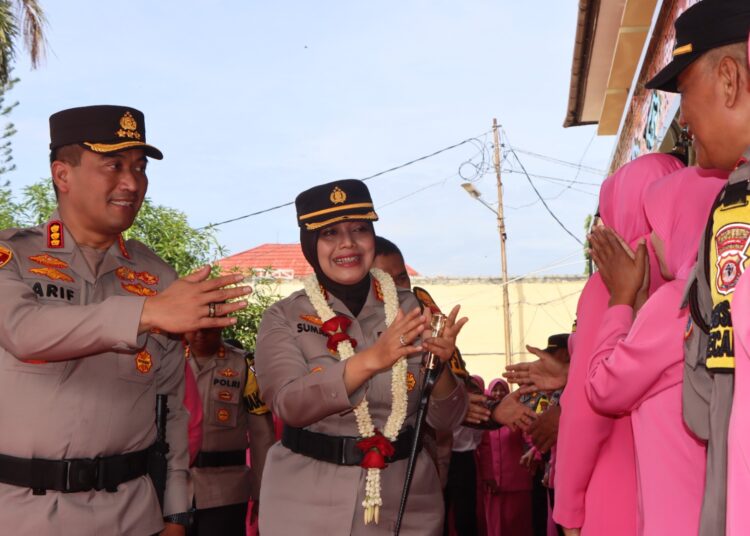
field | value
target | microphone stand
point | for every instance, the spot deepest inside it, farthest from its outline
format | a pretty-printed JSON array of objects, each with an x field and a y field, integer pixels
[{"x": 432, "y": 369}]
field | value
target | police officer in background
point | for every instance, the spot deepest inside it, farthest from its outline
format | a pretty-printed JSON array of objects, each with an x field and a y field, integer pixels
[
  {"x": 709, "y": 69},
  {"x": 84, "y": 344},
  {"x": 233, "y": 420}
]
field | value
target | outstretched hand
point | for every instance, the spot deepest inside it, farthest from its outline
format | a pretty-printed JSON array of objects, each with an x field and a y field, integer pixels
[
  {"x": 184, "y": 305},
  {"x": 624, "y": 273},
  {"x": 511, "y": 413},
  {"x": 544, "y": 374}
]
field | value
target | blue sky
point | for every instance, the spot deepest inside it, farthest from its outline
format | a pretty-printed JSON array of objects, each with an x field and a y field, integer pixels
[{"x": 252, "y": 102}]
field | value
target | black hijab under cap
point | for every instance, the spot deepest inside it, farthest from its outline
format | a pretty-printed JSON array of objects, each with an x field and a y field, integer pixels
[{"x": 353, "y": 296}]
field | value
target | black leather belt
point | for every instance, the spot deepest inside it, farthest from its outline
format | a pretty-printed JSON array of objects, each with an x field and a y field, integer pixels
[
  {"x": 341, "y": 450},
  {"x": 71, "y": 476},
  {"x": 223, "y": 458}
]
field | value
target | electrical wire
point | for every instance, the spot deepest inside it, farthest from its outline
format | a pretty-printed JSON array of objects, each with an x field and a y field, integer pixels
[{"x": 539, "y": 195}]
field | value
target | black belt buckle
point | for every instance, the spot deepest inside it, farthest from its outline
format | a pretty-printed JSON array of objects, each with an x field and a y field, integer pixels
[{"x": 82, "y": 475}]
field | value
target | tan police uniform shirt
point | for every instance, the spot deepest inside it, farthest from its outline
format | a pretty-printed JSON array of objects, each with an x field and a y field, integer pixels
[
  {"x": 707, "y": 396},
  {"x": 221, "y": 382},
  {"x": 303, "y": 384},
  {"x": 99, "y": 400}
]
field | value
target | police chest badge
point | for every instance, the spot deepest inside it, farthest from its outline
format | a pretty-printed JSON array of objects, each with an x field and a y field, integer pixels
[
  {"x": 5, "y": 256},
  {"x": 732, "y": 242}
]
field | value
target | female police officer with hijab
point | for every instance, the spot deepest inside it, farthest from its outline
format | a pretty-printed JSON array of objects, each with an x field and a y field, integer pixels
[{"x": 338, "y": 363}]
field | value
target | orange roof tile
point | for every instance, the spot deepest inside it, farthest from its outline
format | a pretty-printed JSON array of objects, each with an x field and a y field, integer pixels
[{"x": 274, "y": 256}]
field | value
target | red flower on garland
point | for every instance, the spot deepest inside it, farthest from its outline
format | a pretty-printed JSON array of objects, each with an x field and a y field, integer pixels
[
  {"x": 336, "y": 328},
  {"x": 376, "y": 449}
]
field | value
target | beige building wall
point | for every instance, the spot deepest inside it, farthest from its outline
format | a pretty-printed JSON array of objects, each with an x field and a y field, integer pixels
[{"x": 538, "y": 308}]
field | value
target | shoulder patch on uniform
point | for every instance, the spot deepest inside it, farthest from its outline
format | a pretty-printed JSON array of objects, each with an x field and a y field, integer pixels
[
  {"x": 48, "y": 260},
  {"x": 5, "y": 256},
  {"x": 55, "y": 235},
  {"x": 138, "y": 289},
  {"x": 52, "y": 273}
]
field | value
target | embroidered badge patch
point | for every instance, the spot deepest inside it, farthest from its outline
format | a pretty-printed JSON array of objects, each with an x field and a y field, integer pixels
[
  {"x": 138, "y": 289},
  {"x": 52, "y": 273},
  {"x": 126, "y": 274},
  {"x": 49, "y": 261},
  {"x": 225, "y": 395},
  {"x": 55, "y": 238},
  {"x": 5, "y": 256},
  {"x": 411, "y": 382},
  {"x": 312, "y": 319},
  {"x": 337, "y": 196},
  {"x": 229, "y": 373},
  {"x": 222, "y": 415},
  {"x": 731, "y": 253},
  {"x": 143, "y": 362}
]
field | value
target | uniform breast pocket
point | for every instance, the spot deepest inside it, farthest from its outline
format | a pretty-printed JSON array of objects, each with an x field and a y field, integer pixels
[
  {"x": 138, "y": 368},
  {"x": 223, "y": 414},
  {"x": 313, "y": 347}
]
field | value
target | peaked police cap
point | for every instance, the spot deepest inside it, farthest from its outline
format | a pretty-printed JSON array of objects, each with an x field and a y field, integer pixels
[
  {"x": 102, "y": 129},
  {"x": 334, "y": 202}
]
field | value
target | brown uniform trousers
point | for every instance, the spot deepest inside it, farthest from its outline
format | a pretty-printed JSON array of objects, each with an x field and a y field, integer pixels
[
  {"x": 303, "y": 384},
  {"x": 100, "y": 400}
]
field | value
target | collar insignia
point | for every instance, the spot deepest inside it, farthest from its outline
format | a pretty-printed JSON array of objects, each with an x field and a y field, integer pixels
[
  {"x": 52, "y": 273},
  {"x": 55, "y": 235},
  {"x": 411, "y": 382},
  {"x": 338, "y": 196},
  {"x": 378, "y": 291},
  {"x": 49, "y": 261},
  {"x": 123, "y": 249}
]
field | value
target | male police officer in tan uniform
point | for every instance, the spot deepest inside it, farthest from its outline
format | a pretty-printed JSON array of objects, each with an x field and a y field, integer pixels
[
  {"x": 710, "y": 70},
  {"x": 222, "y": 482},
  {"x": 84, "y": 349}
]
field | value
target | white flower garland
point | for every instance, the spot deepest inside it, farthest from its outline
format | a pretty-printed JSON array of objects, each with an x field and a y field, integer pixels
[{"x": 366, "y": 427}]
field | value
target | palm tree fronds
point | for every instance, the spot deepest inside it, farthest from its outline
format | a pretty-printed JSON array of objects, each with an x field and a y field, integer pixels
[{"x": 33, "y": 22}]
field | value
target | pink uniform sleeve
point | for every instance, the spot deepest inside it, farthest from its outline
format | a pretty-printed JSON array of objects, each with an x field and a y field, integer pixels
[
  {"x": 577, "y": 451},
  {"x": 632, "y": 357}
]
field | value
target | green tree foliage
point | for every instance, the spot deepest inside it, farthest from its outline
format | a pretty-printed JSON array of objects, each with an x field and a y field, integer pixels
[
  {"x": 588, "y": 270},
  {"x": 265, "y": 293},
  {"x": 24, "y": 17}
]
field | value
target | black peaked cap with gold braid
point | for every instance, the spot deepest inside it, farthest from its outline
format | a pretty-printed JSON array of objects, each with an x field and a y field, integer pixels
[
  {"x": 326, "y": 204},
  {"x": 706, "y": 25},
  {"x": 102, "y": 129}
]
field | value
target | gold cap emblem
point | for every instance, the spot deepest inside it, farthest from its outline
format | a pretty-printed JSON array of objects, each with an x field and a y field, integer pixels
[
  {"x": 128, "y": 127},
  {"x": 338, "y": 196}
]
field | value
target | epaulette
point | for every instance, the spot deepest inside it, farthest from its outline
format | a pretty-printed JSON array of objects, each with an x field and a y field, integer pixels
[{"x": 13, "y": 233}]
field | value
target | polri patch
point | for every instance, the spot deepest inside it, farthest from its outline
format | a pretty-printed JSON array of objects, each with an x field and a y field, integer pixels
[
  {"x": 143, "y": 362},
  {"x": 5, "y": 256}
]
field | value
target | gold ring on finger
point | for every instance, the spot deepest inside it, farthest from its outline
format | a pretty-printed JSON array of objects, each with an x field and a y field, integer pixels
[
  {"x": 402, "y": 340},
  {"x": 211, "y": 310}
]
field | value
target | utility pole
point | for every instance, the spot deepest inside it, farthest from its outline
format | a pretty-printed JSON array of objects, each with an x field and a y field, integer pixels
[{"x": 503, "y": 238}]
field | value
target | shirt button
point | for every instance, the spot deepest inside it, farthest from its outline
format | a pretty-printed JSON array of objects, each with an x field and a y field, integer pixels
[{"x": 334, "y": 394}]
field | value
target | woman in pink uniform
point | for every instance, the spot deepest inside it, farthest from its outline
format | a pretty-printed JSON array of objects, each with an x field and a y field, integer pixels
[
  {"x": 507, "y": 495},
  {"x": 595, "y": 487},
  {"x": 637, "y": 366}
]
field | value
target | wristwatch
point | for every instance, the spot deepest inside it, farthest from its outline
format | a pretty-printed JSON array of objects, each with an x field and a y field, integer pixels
[{"x": 183, "y": 518}]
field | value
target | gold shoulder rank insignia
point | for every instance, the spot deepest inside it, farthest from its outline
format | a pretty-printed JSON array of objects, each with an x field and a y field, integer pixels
[
  {"x": 48, "y": 260},
  {"x": 5, "y": 256},
  {"x": 55, "y": 236},
  {"x": 52, "y": 273},
  {"x": 138, "y": 289}
]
